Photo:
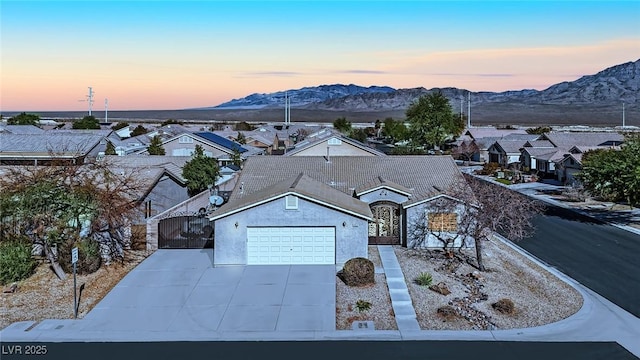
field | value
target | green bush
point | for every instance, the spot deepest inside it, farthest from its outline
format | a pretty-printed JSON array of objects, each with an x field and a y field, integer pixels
[
  {"x": 16, "y": 262},
  {"x": 424, "y": 279},
  {"x": 358, "y": 272},
  {"x": 89, "y": 259},
  {"x": 363, "y": 305},
  {"x": 504, "y": 306}
]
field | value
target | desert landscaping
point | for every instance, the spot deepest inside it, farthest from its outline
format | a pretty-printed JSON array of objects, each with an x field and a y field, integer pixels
[{"x": 538, "y": 296}]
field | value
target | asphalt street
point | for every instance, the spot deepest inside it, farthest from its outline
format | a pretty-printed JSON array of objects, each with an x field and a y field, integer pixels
[
  {"x": 371, "y": 350},
  {"x": 600, "y": 256}
]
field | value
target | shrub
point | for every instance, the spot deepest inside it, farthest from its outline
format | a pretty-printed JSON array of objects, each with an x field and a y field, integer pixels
[
  {"x": 504, "y": 306},
  {"x": 363, "y": 305},
  {"x": 89, "y": 259},
  {"x": 16, "y": 262},
  {"x": 358, "y": 272},
  {"x": 424, "y": 279},
  {"x": 489, "y": 168},
  {"x": 447, "y": 312}
]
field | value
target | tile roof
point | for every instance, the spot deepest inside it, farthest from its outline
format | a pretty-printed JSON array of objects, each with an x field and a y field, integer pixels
[
  {"x": 540, "y": 153},
  {"x": 304, "y": 186},
  {"x": 478, "y": 133},
  {"x": 48, "y": 142},
  {"x": 325, "y": 134},
  {"x": 20, "y": 129},
  {"x": 423, "y": 175},
  {"x": 380, "y": 182},
  {"x": 171, "y": 164},
  {"x": 511, "y": 146},
  {"x": 569, "y": 139},
  {"x": 539, "y": 144}
]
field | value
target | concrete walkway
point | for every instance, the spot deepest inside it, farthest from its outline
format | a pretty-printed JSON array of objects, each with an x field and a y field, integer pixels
[{"x": 400, "y": 299}]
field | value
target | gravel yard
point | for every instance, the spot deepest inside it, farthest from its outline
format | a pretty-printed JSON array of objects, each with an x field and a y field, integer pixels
[
  {"x": 381, "y": 312},
  {"x": 44, "y": 296},
  {"x": 539, "y": 297}
]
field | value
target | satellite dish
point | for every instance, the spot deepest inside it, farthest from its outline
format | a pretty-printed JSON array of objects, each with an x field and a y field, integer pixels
[{"x": 216, "y": 200}]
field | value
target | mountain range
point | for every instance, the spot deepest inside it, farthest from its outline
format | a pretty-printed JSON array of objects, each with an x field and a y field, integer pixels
[{"x": 609, "y": 87}]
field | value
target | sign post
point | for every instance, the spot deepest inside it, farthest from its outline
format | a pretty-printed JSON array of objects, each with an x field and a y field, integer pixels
[{"x": 74, "y": 260}]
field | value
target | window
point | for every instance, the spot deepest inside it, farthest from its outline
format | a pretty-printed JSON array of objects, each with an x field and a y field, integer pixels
[
  {"x": 443, "y": 221},
  {"x": 291, "y": 202},
  {"x": 334, "y": 141},
  {"x": 185, "y": 140}
]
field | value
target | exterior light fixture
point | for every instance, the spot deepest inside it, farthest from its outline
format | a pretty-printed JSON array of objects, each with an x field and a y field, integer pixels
[{"x": 236, "y": 224}]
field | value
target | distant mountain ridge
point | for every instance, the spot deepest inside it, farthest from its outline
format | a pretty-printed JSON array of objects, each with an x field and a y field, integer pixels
[
  {"x": 611, "y": 86},
  {"x": 301, "y": 97}
]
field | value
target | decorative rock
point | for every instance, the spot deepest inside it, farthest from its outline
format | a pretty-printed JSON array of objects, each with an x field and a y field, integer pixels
[
  {"x": 11, "y": 289},
  {"x": 37, "y": 250},
  {"x": 440, "y": 288}
]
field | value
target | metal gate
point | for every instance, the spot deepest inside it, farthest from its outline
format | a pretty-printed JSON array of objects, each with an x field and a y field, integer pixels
[
  {"x": 385, "y": 227},
  {"x": 185, "y": 232}
]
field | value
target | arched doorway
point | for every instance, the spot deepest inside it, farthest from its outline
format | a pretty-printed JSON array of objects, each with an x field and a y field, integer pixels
[{"x": 385, "y": 227}]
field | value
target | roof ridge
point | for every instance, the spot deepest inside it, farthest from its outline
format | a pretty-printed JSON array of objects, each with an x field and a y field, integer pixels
[{"x": 295, "y": 182}]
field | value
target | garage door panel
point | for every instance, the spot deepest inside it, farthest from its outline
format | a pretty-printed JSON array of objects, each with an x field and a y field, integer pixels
[{"x": 290, "y": 245}]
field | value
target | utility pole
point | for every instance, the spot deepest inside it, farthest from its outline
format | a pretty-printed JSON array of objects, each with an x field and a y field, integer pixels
[
  {"x": 106, "y": 105},
  {"x": 469, "y": 112},
  {"x": 623, "y": 114},
  {"x": 90, "y": 99}
]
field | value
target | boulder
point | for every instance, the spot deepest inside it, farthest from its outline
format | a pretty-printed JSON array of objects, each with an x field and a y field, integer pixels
[{"x": 440, "y": 288}]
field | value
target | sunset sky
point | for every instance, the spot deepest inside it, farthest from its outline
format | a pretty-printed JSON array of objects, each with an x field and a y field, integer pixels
[{"x": 173, "y": 55}]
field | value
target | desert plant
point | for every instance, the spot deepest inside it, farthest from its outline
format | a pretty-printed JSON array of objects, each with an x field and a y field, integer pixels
[
  {"x": 424, "y": 279},
  {"x": 358, "y": 272},
  {"x": 504, "y": 306},
  {"x": 363, "y": 305},
  {"x": 16, "y": 262}
]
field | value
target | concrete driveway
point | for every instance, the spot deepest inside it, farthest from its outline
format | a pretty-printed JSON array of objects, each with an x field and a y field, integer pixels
[{"x": 179, "y": 290}]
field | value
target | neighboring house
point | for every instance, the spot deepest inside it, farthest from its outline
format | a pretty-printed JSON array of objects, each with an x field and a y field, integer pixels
[
  {"x": 261, "y": 139},
  {"x": 162, "y": 184},
  {"x": 505, "y": 152},
  {"x": 485, "y": 137},
  {"x": 128, "y": 146},
  {"x": 571, "y": 163},
  {"x": 213, "y": 146},
  {"x": 329, "y": 142},
  {"x": 557, "y": 155},
  {"x": 50, "y": 147},
  {"x": 124, "y": 132},
  {"x": 314, "y": 210}
]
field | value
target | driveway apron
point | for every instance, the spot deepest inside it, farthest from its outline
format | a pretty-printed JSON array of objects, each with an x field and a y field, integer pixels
[{"x": 180, "y": 290}]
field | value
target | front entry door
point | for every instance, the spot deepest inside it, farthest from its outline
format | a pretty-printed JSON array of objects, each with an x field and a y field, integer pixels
[{"x": 385, "y": 227}]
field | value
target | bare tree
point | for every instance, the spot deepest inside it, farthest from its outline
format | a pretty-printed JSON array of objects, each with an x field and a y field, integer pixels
[
  {"x": 480, "y": 209},
  {"x": 66, "y": 202},
  {"x": 465, "y": 150}
]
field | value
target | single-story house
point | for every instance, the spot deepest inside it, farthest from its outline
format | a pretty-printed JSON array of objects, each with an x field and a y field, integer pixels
[
  {"x": 50, "y": 147},
  {"x": 213, "y": 145},
  {"x": 332, "y": 143},
  {"x": 505, "y": 152},
  {"x": 319, "y": 210},
  {"x": 484, "y": 137},
  {"x": 558, "y": 154}
]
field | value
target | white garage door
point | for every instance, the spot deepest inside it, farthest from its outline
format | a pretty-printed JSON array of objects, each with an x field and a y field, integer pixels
[{"x": 291, "y": 245}]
